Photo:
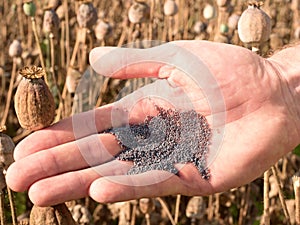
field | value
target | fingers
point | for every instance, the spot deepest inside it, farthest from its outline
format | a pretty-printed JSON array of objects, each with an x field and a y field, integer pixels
[
  {"x": 72, "y": 185},
  {"x": 70, "y": 129},
  {"x": 86, "y": 152},
  {"x": 131, "y": 109}
]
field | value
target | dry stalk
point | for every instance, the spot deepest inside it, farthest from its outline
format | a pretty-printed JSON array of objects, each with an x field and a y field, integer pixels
[
  {"x": 217, "y": 206},
  {"x": 152, "y": 8},
  {"x": 82, "y": 57},
  {"x": 283, "y": 172},
  {"x": 147, "y": 217},
  {"x": 210, "y": 212},
  {"x": 165, "y": 30},
  {"x": 244, "y": 204},
  {"x": 295, "y": 8},
  {"x": 124, "y": 33},
  {"x": 2, "y": 215},
  {"x": 66, "y": 11},
  {"x": 12, "y": 206},
  {"x": 20, "y": 20},
  {"x": 61, "y": 104},
  {"x": 266, "y": 215},
  {"x": 281, "y": 196},
  {"x": 185, "y": 18},
  {"x": 177, "y": 209},
  {"x": 80, "y": 38},
  {"x": 166, "y": 209},
  {"x": 181, "y": 18},
  {"x": 296, "y": 182},
  {"x": 38, "y": 46},
  {"x": 102, "y": 91},
  {"x": 133, "y": 213},
  {"x": 171, "y": 22},
  {"x": 221, "y": 18},
  {"x": 29, "y": 35},
  {"x": 52, "y": 53},
  {"x": 130, "y": 32},
  {"x": 9, "y": 94},
  {"x": 122, "y": 37},
  {"x": 62, "y": 44},
  {"x": 100, "y": 4},
  {"x": 3, "y": 84}
]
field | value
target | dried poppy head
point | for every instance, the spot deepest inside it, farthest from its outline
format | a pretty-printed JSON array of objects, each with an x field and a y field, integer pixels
[
  {"x": 138, "y": 12},
  {"x": 72, "y": 80},
  {"x": 60, "y": 12},
  {"x": 34, "y": 103},
  {"x": 233, "y": 21},
  {"x": 50, "y": 21},
  {"x": 87, "y": 15},
  {"x": 102, "y": 29},
  {"x": 199, "y": 27},
  {"x": 15, "y": 49},
  {"x": 195, "y": 208},
  {"x": 55, "y": 215},
  {"x": 254, "y": 26},
  {"x": 32, "y": 72},
  {"x": 170, "y": 8},
  {"x": 2, "y": 179},
  {"x": 146, "y": 205},
  {"x": 7, "y": 147},
  {"x": 81, "y": 214},
  {"x": 209, "y": 12}
]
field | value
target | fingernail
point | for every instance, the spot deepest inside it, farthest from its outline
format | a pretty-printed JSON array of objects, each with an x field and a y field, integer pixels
[{"x": 165, "y": 71}]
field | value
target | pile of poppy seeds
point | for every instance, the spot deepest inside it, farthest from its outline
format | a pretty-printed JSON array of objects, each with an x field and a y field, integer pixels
[{"x": 163, "y": 140}]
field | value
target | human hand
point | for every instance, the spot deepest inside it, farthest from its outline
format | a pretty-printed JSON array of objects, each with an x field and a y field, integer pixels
[{"x": 248, "y": 100}]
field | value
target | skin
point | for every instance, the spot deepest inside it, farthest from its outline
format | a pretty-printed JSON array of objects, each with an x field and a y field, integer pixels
[{"x": 262, "y": 125}]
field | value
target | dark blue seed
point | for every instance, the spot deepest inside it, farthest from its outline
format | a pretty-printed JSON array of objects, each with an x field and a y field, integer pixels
[{"x": 160, "y": 142}]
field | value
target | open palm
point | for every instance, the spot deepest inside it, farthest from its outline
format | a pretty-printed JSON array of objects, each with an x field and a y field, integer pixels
[{"x": 246, "y": 99}]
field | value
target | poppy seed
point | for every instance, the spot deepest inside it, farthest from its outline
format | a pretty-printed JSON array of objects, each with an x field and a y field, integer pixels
[{"x": 166, "y": 139}]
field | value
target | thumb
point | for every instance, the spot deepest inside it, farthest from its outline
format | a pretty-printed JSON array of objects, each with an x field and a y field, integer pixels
[{"x": 124, "y": 63}]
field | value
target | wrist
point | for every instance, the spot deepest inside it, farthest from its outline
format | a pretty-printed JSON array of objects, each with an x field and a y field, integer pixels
[{"x": 286, "y": 65}]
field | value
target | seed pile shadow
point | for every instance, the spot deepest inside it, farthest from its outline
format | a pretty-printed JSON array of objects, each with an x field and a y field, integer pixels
[{"x": 166, "y": 139}]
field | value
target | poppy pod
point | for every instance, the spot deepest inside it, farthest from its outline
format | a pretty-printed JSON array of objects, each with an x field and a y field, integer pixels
[
  {"x": 87, "y": 15},
  {"x": 15, "y": 49},
  {"x": 254, "y": 26},
  {"x": 102, "y": 29},
  {"x": 55, "y": 215},
  {"x": 138, "y": 12},
  {"x": 34, "y": 103},
  {"x": 50, "y": 21},
  {"x": 170, "y": 8},
  {"x": 7, "y": 147},
  {"x": 209, "y": 12},
  {"x": 29, "y": 8}
]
